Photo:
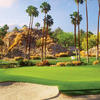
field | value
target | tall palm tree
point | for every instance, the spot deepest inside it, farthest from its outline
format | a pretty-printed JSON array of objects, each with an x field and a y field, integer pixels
[
  {"x": 32, "y": 12},
  {"x": 74, "y": 21},
  {"x": 45, "y": 8},
  {"x": 97, "y": 56},
  {"x": 87, "y": 30},
  {"x": 78, "y": 2},
  {"x": 49, "y": 23},
  {"x": 37, "y": 25}
]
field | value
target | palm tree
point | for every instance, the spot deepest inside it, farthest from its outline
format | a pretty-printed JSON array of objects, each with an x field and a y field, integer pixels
[
  {"x": 37, "y": 25},
  {"x": 78, "y": 2},
  {"x": 49, "y": 23},
  {"x": 45, "y": 8},
  {"x": 87, "y": 30},
  {"x": 74, "y": 21},
  {"x": 32, "y": 12},
  {"x": 97, "y": 56}
]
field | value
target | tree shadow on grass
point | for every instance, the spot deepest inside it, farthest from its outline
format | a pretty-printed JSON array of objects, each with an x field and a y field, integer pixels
[{"x": 69, "y": 88}]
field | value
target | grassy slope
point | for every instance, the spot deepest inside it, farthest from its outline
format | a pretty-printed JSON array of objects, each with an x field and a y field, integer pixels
[{"x": 67, "y": 78}]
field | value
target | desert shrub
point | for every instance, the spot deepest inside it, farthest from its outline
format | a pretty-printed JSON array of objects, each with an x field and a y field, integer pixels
[
  {"x": 18, "y": 58},
  {"x": 35, "y": 57},
  {"x": 50, "y": 57},
  {"x": 25, "y": 63},
  {"x": 63, "y": 54},
  {"x": 83, "y": 53},
  {"x": 63, "y": 64},
  {"x": 96, "y": 62},
  {"x": 76, "y": 63},
  {"x": 44, "y": 63}
]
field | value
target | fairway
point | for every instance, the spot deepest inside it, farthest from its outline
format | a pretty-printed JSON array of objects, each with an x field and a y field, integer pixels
[{"x": 66, "y": 78}]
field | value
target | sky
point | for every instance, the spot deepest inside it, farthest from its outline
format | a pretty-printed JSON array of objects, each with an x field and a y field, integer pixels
[{"x": 13, "y": 12}]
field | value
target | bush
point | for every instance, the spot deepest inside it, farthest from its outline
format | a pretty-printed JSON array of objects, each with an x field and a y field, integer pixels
[
  {"x": 50, "y": 57},
  {"x": 63, "y": 64},
  {"x": 44, "y": 63},
  {"x": 66, "y": 54},
  {"x": 25, "y": 63},
  {"x": 18, "y": 58},
  {"x": 8, "y": 65},
  {"x": 96, "y": 62},
  {"x": 76, "y": 63},
  {"x": 35, "y": 57}
]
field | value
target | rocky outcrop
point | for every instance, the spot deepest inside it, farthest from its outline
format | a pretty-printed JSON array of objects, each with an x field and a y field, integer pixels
[{"x": 16, "y": 43}]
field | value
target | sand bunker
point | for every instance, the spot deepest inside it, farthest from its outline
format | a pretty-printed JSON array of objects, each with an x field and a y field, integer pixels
[{"x": 29, "y": 91}]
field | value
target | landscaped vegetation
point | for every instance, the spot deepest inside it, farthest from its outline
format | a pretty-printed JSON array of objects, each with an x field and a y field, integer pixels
[{"x": 69, "y": 60}]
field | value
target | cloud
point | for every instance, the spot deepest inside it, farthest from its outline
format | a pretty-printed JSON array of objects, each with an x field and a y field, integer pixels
[{"x": 6, "y": 3}]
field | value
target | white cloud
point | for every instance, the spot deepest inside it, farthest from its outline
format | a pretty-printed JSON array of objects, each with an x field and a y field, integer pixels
[{"x": 6, "y": 3}]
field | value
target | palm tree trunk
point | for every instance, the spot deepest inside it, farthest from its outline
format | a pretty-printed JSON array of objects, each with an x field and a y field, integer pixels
[
  {"x": 27, "y": 36},
  {"x": 97, "y": 56},
  {"x": 78, "y": 33},
  {"x": 87, "y": 32},
  {"x": 75, "y": 40},
  {"x": 46, "y": 41},
  {"x": 43, "y": 33},
  {"x": 30, "y": 36}
]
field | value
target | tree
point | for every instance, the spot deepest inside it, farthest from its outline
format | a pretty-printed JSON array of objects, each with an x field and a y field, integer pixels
[
  {"x": 97, "y": 55},
  {"x": 74, "y": 21},
  {"x": 25, "y": 27},
  {"x": 1, "y": 44},
  {"x": 45, "y": 8},
  {"x": 78, "y": 2},
  {"x": 3, "y": 31},
  {"x": 65, "y": 39},
  {"x": 15, "y": 29},
  {"x": 49, "y": 23},
  {"x": 37, "y": 25},
  {"x": 91, "y": 42},
  {"x": 6, "y": 27},
  {"x": 32, "y": 12}
]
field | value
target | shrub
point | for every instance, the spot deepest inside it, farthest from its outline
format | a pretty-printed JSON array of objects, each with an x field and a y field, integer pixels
[
  {"x": 8, "y": 65},
  {"x": 96, "y": 62},
  {"x": 18, "y": 58},
  {"x": 75, "y": 63},
  {"x": 50, "y": 57},
  {"x": 35, "y": 57},
  {"x": 63, "y": 54},
  {"x": 61, "y": 64},
  {"x": 25, "y": 63},
  {"x": 83, "y": 53},
  {"x": 68, "y": 63},
  {"x": 44, "y": 63}
]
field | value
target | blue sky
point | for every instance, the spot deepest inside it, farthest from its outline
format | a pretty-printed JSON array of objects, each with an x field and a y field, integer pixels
[{"x": 12, "y": 12}]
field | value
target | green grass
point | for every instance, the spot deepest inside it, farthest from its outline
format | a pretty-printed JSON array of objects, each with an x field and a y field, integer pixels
[
  {"x": 74, "y": 80},
  {"x": 66, "y": 78},
  {"x": 65, "y": 59}
]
